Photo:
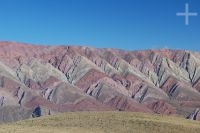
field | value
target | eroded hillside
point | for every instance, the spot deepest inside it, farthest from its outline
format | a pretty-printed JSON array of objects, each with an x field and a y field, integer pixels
[{"x": 44, "y": 80}]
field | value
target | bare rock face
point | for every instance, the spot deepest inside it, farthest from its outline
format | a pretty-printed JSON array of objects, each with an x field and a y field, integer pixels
[{"x": 45, "y": 80}]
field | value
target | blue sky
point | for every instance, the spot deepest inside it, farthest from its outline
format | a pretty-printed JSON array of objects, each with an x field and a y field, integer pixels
[{"x": 123, "y": 24}]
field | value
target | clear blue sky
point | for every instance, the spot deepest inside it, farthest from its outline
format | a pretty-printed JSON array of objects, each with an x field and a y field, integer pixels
[{"x": 124, "y": 24}]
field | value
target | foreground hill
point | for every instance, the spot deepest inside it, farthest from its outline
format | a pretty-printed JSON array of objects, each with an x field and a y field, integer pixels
[
  {"x": 103, "y": 122},
  {"x": 45, "y": 80}
]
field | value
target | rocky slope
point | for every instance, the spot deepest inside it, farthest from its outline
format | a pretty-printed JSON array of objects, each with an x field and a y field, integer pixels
[{"x": 44, "y": 80}]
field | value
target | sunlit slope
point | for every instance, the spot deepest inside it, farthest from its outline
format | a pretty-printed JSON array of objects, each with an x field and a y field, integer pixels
[{"x": 100, "y": 122}]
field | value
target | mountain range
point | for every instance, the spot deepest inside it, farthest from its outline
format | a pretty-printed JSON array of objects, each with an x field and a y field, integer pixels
[{"x": 37, "y": 80}]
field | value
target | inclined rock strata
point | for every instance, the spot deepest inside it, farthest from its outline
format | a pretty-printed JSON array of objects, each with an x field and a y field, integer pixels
[{"x": 45, "y": 80}]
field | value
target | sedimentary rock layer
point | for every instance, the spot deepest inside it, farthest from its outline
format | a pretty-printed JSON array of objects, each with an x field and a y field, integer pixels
[{"x": 44, "y": 80}]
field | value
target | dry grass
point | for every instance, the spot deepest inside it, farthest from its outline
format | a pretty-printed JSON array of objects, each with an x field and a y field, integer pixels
[{"x": 103, "y": 122}]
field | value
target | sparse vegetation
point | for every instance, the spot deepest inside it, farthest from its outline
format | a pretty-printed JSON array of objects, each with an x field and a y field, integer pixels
[{"x": 103, "y": 122}]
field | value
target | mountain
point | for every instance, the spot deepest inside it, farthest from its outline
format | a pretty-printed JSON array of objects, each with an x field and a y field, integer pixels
[{"x": 45, "y": 80}]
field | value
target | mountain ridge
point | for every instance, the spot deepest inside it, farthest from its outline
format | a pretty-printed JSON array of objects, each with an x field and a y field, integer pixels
[{"x": 45, "y": 80}]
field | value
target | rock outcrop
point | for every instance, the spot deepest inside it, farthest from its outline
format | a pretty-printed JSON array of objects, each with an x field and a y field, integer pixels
[{"x": 45, "y": 80}]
